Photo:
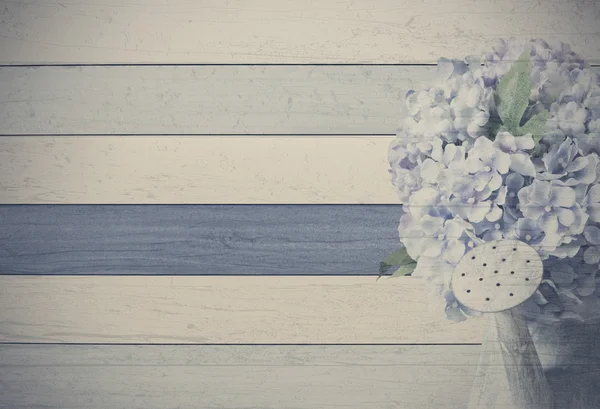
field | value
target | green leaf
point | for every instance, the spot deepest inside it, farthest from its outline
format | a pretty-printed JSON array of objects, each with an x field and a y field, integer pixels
[
  {"x": 404, "y": 270},
  {"x": 397, "y": 258},
  {"x": 494, "y": 126},
  {"x": 535, "y": 126},
  {"x": 512, "y": 92}
]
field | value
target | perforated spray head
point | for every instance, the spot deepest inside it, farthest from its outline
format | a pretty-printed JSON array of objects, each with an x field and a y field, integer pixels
[{"x": 497, "y": 275}]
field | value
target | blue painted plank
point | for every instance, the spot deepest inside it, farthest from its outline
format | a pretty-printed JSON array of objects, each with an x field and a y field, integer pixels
[{"x": 196, "y": 239}]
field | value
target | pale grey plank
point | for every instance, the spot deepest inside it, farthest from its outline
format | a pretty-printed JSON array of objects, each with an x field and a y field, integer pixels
[
  {"x": 227, "y": 309},
  {"x": 193, "y": 170},
  {"x": 265, "y": 377},
  {"x": 274, "y": 376},
  {"x": 282, "y": 31},
  {"x": 205, "y": 99},
  {"x": 197, "y": 239}
]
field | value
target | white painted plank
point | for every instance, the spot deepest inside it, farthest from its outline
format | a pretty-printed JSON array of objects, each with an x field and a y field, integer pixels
[
  {"x": 205, "y": 100},
  {"x": 282, "y": 31},
  {"x": 220, "y": 309},
  {"x": 233, "y": 377},
  {"x": 195, "y": 170}
]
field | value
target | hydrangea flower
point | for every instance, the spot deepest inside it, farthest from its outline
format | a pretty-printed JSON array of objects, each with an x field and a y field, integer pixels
[{"x": 463, "y": 180}]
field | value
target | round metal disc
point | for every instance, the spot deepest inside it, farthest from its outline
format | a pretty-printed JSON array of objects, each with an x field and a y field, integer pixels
[{"x": 497, "y": 275}]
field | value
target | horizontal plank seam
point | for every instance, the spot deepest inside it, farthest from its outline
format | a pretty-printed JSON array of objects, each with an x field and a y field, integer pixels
[
  {"x": 207, "y": 205},
  {"x": 321, "y": 135},
  {"x": 374, "y": 275},
  {"x": 222, "y": 65},
  {"x": 234, "y": 344},
  {"x": 595, "y": 63}
]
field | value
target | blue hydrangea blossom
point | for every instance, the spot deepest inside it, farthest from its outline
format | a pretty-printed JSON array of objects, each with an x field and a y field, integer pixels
[{"x": 462, "y": 184}]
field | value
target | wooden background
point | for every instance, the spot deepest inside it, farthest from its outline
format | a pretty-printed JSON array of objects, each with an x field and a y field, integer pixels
[{"x": 195, "y": 200}]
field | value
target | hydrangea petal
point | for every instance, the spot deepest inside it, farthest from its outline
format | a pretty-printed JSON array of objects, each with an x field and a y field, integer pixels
[
  {"x": 525, "y": 142},
  {"x": 566, "y": 217},
  {"x": 522, "y": 164},
  {"x": 479, "y": 211},
  {"x": 432, "y": 226},
  {"x": 592, "y": 234},
  {"x": 563, "y": 196},
  {"x": 592, "y": 255},
  {"x": 586, "y": 283},
  {"x": 455, "y": 249},
  {"x": 495, "y": 214},
  {"x": 495, "y": 181},
  {"x": 502, "y": 162},
  {"x": 432, "y": 248},
  {"x": 549, "y": 223}
]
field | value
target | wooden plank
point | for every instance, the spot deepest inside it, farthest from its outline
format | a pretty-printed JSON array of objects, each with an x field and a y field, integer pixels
[
  {"x": 282, "y": 31},
  {"x": 232, "y": 310},
  {"x": 205, "y": 100},
  {"x": 266, "y": 377},
  {"x": 274, "y": 376},
  {"x": 197, "y": 239},
  {"x": 190, "y": 170}
]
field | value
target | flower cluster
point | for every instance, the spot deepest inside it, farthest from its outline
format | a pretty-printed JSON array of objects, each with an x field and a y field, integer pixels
[{"x": 463, "y": 179}]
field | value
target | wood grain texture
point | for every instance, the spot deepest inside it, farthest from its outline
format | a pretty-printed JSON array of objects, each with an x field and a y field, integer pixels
[
  {"x": 197, "y": 239},
  {"x": 227, "y": 310},
  {"x": 233, "y": 377},
  {"x": 273, "y": 376},
  {"x": 192, "y": 170},
  {"x": 205, "y": 100},
  {"x": 289, "y": 31}
]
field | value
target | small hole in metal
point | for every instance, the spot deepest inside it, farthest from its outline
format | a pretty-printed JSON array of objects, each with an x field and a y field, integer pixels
[
  {"x": 511, "y": 294},
  {"x": 514, "y": 249},
  {"x": 494, "y": 247},
  {"x": 503, "y": 259},
  {"x": 473, "y": 258},
  {"x": 463, "y": 274},
  {"x": 481, "y": 279},
  {"x": 484, "y": 264},
  {"x": 468, "y": 291},
  {"x": 512, "y": 272},
  {"x": 497, "y": 284},
  {"x": 527, "y": 279},
  {"x": 487, "y": 299},
  {"x": 495, "y": 271},
  {"x": 529, "y": 261}
]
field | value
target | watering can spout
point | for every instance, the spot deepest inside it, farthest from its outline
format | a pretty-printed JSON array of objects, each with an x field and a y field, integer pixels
[{"x": 496, "y": 278}]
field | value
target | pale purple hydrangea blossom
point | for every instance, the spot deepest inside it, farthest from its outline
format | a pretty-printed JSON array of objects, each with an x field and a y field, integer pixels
[{"x": 460, "y": 186}]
